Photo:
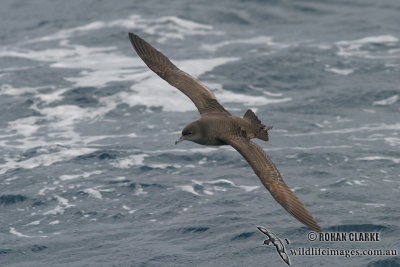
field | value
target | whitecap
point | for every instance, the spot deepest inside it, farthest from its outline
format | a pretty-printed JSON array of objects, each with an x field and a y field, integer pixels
[
  {"x": 202, "y": 150},
  {"x": 164, "y": 166},
  {"x": 46, "y": 188},
  {"x": 264, "y": 40},
  {"x": 360, "y": 182},
  {"x": 15, "y": 232},
  {"x": 188, "y": 188},
  {"x": 375, "y": 158},
  {"x": 230, "y": 97},
  {"x": 376, "y": 205},
  {"x": 60, "y": 208},
  {"x": 387, "y": 101},
  {"x": 44, "y": 159},
  {"x": 149, "y": 90},
  {"x": 154, "y": 92},
  {"x": 130, "y": 211},
  {"x": 364, "y": 128},
  {"x": 173, "y": 27},
  {"x": 218, "y": 181},
  {"x": 246, "y": 188},
  {"x": 355, "y": 47},
  {"x": 381, "y": 39},
  {"x": 119, "y": 178},
  {"x": 80, "y": 175},
  {"x": 340, "y": 71},
  {"x": 34, "y": 223},
  {"x": 57, "y": 210},
  {"x": 93, "y": 193},
  {"x": 140, "y": 191},
  {"x": 133, "y": 160}
]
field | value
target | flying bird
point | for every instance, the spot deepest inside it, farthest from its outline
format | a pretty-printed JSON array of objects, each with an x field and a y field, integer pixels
[
  {"x": 277, "y": 242},
  {"x": 217, "y": 127}
]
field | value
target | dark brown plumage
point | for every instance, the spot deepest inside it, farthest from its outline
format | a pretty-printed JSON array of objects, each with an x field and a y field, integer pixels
[{"x": 218, "y": 127}]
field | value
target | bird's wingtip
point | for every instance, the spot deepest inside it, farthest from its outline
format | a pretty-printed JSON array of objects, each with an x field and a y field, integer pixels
[
  {"x": 131, "y": 35},
  {"x": 318, "y": 229}
]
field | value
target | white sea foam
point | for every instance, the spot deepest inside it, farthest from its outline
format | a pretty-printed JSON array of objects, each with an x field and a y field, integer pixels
[
  {"x": 140, "y": 191},
  {"x": 302, "y": 148},
  {"x": 44, "y": 159},
  {"x": 44, "y": 189},
  {"x": 153, "y": 91},
  {"x": 376, "y": 205},
  {"x": 119, "y": 178},
  {"x": 375, "y": 158},
  {"x": 205, "y": 184},
  {"x": 60, "y": 208},
  {"x": 369, "y": 110},
  {"x": 15, "y": 232},
  {"x": 24, "y": 126},
  {"x": 340, "y": 71},
  {"x": 387, "y": 101},
  {"x": 248, "y": 188},
  {"x": 133, "y": 160},
  {"x": 364, "y": 128},
  {"x": 356, "y": 47},
  {"x": 130, "y": 211},
  {"x": 229, "y": 97},
  {"x": 381, "y": 39},
  {"x": 106, "y": 64},
  {"x": 265, "y": 92},
  {"x": 9, "y": 90},
  {"x": 93, "y": 193},
  {"x": 219, "y": 188},
  {"x": 34, "y": 223},
  {"x": 218, "y": 181},
  {"x": 164, "y": 166},
  {"x": 149, "y": 90},
  {"x": 390, "y": 140},
  {"x": 264, "y": 40},
  {"x": 172, "y": 28},
  {"x": 186, "y": 151},
  {"x": 360, "y": 182},
  {"x": 188, "y": 188},
  {"x": 80, "y": 175}
]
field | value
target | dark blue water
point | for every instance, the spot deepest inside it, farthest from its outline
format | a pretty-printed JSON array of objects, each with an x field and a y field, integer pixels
[{"x": 90, "y": 175}]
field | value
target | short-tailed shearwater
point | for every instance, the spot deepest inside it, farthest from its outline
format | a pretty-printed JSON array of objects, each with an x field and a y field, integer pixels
[{"x": 217, "y": 127}]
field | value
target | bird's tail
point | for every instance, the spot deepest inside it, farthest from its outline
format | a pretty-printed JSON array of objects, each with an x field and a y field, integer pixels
[{"x": 260, "y": 130}]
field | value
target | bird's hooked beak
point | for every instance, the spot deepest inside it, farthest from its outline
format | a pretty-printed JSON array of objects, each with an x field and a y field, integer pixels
[{"x": 179, "y": 140}]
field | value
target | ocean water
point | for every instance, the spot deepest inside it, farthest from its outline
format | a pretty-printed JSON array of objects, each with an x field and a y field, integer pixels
[{"x": 90, "y": 175}]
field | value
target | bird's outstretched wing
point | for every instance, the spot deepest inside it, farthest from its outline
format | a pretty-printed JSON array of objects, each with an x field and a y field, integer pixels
[
  {"x": 272, "y": 180},
  {"x": 201, "y": 96}
]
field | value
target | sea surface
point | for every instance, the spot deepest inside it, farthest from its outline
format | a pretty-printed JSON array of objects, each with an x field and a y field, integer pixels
[{"x": 90, "y": 174}]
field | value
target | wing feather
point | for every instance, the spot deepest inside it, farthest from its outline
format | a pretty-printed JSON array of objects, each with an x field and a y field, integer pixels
[
  {"x": 272, "y": 180},
  {"x": 200, "y": 95}
]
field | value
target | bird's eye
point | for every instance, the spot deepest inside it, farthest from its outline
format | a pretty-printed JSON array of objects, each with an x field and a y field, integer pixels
[{"x": 186, "y": 132}]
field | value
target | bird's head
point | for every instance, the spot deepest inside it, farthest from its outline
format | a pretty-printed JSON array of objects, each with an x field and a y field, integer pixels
[{"x": 192, "y": 132}]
